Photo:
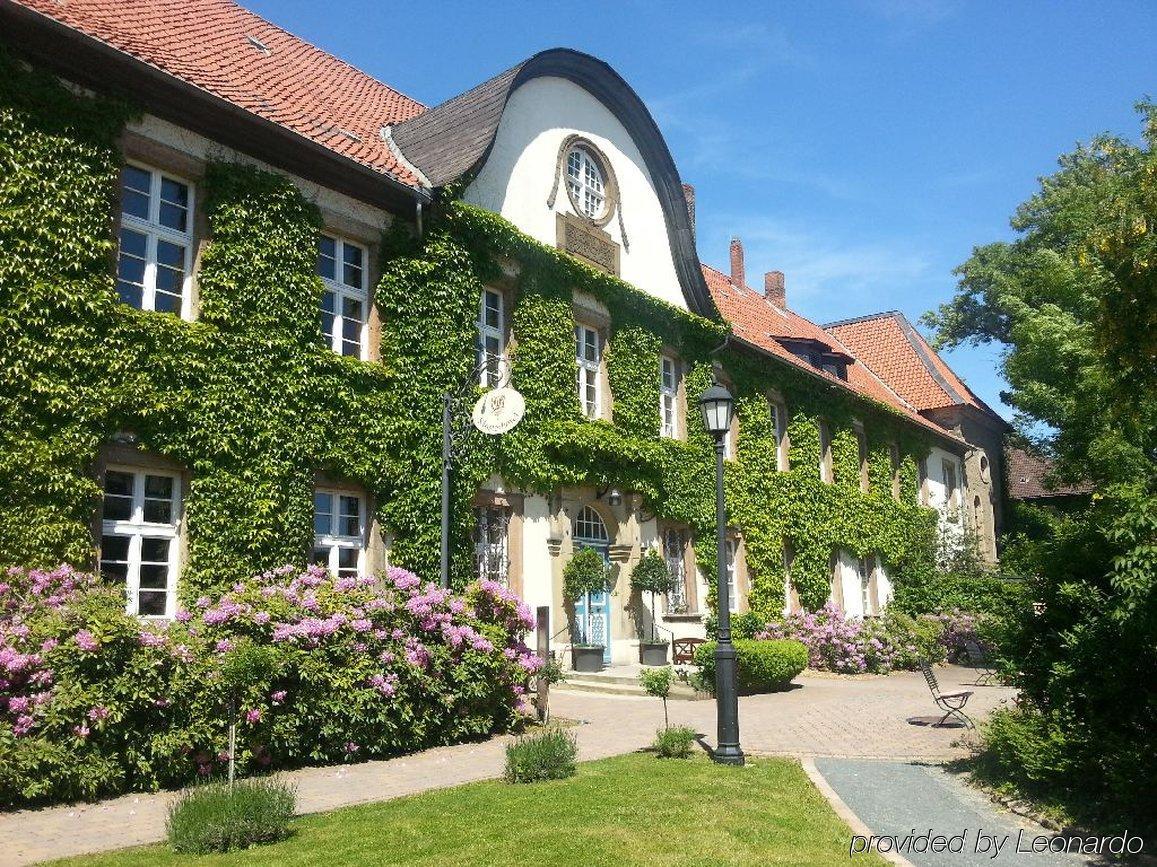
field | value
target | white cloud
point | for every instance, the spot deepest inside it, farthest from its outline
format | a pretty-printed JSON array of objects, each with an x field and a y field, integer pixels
[{"x": 819, "y": 266}]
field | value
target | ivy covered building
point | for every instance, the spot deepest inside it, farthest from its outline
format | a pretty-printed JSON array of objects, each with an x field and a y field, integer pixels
[{"x": 239, "y": 275}]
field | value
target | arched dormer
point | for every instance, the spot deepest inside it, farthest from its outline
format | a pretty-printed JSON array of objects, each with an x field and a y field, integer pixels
[{"x": 513, "y": 138}]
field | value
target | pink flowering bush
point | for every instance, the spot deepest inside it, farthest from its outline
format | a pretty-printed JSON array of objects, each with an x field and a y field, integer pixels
[
  {"x": 835, "y": 643},
  {"x": 95, "y": 702}
]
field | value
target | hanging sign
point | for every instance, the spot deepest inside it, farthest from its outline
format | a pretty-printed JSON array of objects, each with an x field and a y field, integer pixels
[{"x": 498, "y": 410}]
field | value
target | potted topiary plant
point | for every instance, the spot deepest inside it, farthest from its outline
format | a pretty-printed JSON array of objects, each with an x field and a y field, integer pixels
[
  {"x": 586, "y": 573},
  {"x": 651, "y": 575}
]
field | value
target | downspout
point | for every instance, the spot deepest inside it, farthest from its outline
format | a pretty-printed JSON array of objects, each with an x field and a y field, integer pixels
[{"x": 418, "y": 213}]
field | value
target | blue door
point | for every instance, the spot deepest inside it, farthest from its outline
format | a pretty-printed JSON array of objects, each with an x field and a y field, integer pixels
[{"x": 593, "y": 611}]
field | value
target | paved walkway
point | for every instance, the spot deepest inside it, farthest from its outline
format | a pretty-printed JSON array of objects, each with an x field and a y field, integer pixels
[
  {"x": 899, "y": 800},
  {"x": 823, "y": 716}
]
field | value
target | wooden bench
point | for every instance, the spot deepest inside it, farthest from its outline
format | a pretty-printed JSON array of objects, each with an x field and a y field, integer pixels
[
  {"x": 684, "y": 650},
  {"x": 951, "y": 703}
]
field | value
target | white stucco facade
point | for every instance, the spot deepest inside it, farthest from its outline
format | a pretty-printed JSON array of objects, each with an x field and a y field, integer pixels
[{"x": 517, "y": 178}]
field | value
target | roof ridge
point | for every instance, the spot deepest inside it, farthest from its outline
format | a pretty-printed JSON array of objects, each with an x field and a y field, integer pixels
[{"x": 853, "y": 320}]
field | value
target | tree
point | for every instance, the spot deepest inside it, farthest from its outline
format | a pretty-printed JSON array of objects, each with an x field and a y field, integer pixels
[{"x": 1073, "y": 303}]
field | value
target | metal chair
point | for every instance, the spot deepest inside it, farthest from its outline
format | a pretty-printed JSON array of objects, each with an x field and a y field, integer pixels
[
  {"x": 979, "y": 658},
  {"x": 951, "y": 703}
]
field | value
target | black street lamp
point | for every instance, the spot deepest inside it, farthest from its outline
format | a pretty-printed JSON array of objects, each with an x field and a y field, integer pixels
[{"x": 718, "y": 407}]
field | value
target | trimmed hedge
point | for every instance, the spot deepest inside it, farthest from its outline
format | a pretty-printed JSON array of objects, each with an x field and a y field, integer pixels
[
  {"x": 764, "y": 666},
  {"x": 936, "y": 594}
]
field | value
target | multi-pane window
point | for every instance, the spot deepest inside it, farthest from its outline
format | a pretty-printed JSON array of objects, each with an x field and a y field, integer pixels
[
  {"x": 779, "y": 425},
  {"x": 584, "y": 180},
  {"x": 491, "y": 337},
  {"x": 732, "y": 585},
  {"x": 588, "y": 357},
  {"x": 342, "y": 266},
  {"x": 674, "y": 552},
  {"x": 154, "y": 260},
  {"x": 864, "y": 569},
  {"x": 339, "y": 532},
  {"x": 491, "y": 543},
  {"x": 951, "y": 491},
  {"x": 138, "y": 543},
  {"x": 826, "y": 474},
  {"x": 668, "y": 397}
]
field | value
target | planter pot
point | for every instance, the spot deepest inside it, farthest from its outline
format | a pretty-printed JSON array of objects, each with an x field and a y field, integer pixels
[
  {"x": 587, "y": 659},
  {"x": 653, "y": 653}
]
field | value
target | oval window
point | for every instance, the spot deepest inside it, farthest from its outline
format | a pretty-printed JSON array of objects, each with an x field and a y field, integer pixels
[{"x": 586, "y": 182}]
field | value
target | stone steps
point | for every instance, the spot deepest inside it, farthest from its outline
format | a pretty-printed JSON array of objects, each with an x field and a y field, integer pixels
[{"x": 613, "y": 681}]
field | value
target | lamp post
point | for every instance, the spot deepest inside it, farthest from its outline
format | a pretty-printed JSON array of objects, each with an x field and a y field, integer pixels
[{"x": 718, "y": 406}]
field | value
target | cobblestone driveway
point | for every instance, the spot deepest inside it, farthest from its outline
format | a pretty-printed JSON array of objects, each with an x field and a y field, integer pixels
[{"x": 821, "y": 716}]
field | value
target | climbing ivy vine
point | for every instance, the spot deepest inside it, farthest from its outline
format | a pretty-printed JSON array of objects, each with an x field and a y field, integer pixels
[{"x": 252, "y": 403}]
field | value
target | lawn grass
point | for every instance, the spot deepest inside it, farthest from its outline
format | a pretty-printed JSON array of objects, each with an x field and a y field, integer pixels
[{"x": 634, "y": 809}]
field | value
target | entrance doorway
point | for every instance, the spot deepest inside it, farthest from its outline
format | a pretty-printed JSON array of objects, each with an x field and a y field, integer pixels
[{"x": 593, "y": 610}]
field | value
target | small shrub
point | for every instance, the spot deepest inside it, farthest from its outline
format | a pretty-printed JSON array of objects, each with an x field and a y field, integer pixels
[
  {"x": 218, "y": 818},
  {"x": 674, "y": 743},
  {"x": 763, "y": 665},
  {"x": 657, "y": 682},
  {"x": 548, "y": 755}
]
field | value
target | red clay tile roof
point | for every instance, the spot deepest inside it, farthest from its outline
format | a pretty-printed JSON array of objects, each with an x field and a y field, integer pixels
[
  {"x": 897, "y": 353},
  {"x": 1026, "y": 477},
  {"x": 757, "y": 321},
  {"x": 238, "y": 56}
]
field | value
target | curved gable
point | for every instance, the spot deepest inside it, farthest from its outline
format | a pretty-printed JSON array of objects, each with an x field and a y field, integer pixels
[{"x": 505, "y": 135}]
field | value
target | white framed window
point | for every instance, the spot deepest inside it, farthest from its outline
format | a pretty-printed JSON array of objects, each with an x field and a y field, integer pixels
[
  {"x": 674, "y": 552},
  {"x": 492, "y": 543},
  {"x": 491, "y": 336},
  {"x": 345, "y": 301},
  {"x": 339, "y": 532},
  {"x": 951, "y": 491},
  {"x": 779, "y": 426},
  {"x": 588, "y": 357},
  {"x": 864, "y": 572},
  {"x": 585, "y": 182},
  {"x": 862, "y": 454},
  {"x": 826, "y": 474},
  {"x": 668, "y": 397},
  {"x": 139, "y": 541},
  {"x": 732, "y": 548},
  {"x": 155, "y": 252}
]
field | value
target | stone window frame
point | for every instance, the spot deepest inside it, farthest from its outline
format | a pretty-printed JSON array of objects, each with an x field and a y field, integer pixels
[
  {"x": 862, "y": 454},
  {"x": 779, "y": 422},
  {"x": 611, "y": 197},
  {"x": 687, "y": 556},
  {"x": 513, "y": 504}
]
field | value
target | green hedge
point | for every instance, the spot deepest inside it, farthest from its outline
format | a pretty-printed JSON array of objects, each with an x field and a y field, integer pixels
[
  {"x": 764, "y": 666},
  {"x": 994, "y": 595}
]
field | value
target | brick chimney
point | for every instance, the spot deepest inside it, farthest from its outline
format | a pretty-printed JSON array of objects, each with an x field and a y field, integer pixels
[
  {"x": 737, "y": 276},
  {"x": 773, "y": 289},
  {"x": 689, "y": 195}
]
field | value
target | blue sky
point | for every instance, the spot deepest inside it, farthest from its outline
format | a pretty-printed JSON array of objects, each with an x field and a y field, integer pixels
[{"x": 861, "y": 147}]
